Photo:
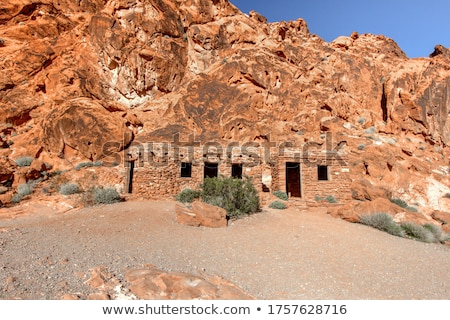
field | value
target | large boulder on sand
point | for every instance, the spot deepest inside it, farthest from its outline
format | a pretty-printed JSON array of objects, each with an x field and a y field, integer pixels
[{"x": 201, "y": 214}]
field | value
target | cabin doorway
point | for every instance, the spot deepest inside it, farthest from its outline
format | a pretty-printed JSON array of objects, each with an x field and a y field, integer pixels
[{"x": 293, "y": 179}]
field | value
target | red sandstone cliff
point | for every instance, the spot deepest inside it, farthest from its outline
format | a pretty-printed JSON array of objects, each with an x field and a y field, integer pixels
[{"x": 77, "y": 74}]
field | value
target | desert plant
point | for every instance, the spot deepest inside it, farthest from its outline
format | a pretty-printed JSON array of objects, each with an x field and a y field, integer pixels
[
  {"x": 382, "y": 221},
  {"x": 361, "y": 146},
  {"x": 418, "y": 232},
  {"x": 278, "y": 205},
  {"x": 24, "y": 161},
  {"x": 237, "y": 196},
  {"x": 401, "y": 203},
  {"x": 188, "y": 195},
  {"x": 16, "y": 199},
  {"x": 281, "y": 195},
  {"x": 69, "y": 188},
  {"x": 439, "y": 236},
  {"x": 23, "y": 190},
  {"x": 83, "y": 165},
  {"x": 329, "y": 199},
  {"x": 447, "y": 195},
  {"x": 106, "y": 196},
  {"x": 370, "y": 130},
  {"x": 99, "y": 195}
]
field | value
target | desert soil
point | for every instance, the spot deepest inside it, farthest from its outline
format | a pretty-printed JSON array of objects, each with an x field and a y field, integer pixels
[{"x": 289, "y": 254}]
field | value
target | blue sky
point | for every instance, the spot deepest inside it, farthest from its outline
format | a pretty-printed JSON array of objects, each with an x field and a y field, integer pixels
[{"x": 416, "y": 25}]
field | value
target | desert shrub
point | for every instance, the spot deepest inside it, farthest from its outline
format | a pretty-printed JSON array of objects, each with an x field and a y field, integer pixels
[
  {"x": 88, "y": 164},
  {"x": 370, "y": 130},
  {"x": 403, "y": 204},
  {"x": 361, "y": 146},
  {"x": 16, "y": 199},
  {"x": 69, "y": 188},
  {"x": 329, "y": 199},
  {"x": 84, "y": 165},
  {"x": 281, "y": 195},
  {"x": 278, "y": 205},
  {"x": 100, "y": 195},
  {"x": 383, "y": 222},
  {"x": 106, "y": 196},
  {"x": 417, "y": 232},
  {"x": 237, "y": 196},
  {"x": 362, "y": 120},
  {"x": 23, "y": 190},
  {"x": 447, "y": 195},
  {"x": 439, "y": 236},
  {"x": 24, "y": 161},
  {"x": 188, "y": 195}
]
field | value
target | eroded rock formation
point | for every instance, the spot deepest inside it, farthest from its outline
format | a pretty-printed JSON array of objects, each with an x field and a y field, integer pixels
[{"x": 77, "y": 74}]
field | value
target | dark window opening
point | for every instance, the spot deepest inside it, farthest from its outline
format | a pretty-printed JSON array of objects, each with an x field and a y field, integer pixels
[
  {"x": 211, "y": 170},
  {"x": 186, "y": 170},
  {"x": 293, "y": 179},
  {"x": 322, "y": 173},
  {"x": 236, "y": 170}
]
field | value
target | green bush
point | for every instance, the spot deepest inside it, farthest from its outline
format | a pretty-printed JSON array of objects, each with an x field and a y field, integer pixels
[
  {"x": 69, "y": 188},
  {"x": 361, "y": 146},
  {"x": 281, "y": 194},
  {"x": 100, "y": 195},
  {"x": 188, "y": 195},
  {"x": 383, "y": 222},
  {"x": 24, "y": 161},
  {"x": 401, "y": 203},
  {"x": 278, "y": 205},
  {"x": 417, "y": 232},
  {"x": 237, "y": 196}
]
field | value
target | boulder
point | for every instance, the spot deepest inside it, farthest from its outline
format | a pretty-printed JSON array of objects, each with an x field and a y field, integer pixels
[
  {"x": 185, "y": 215},
  {"x": 209, "y": 215},
  {"x": 364, "y": 190},
  {"x": 444, "y": 218},
  {"x": 201, "y": 214},
  {"x": 152, "y": 284},
  {"x": 353, "y": 211}
]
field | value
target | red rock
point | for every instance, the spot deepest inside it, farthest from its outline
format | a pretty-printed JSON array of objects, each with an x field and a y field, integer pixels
[
  {"x": 209, "y": 215},
  {"x": 79, "y": 74},
  {"x": 201, "y": 214},
  {"x": 153, "y": 284},
  {"x": 443, "y": 218},
  {"x": 352, "y": 211},
  {"x": 186, "y": 216}
]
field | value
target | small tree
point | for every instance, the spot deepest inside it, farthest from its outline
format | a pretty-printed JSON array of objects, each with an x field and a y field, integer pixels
[{"x": 237, "y": 196}]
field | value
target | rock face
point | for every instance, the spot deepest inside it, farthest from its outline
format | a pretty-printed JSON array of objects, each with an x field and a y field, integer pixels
[{"x": 76, "y": 75}]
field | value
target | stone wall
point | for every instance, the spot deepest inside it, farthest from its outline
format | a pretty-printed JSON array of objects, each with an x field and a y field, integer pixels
[{"x": 157, "y": 172}]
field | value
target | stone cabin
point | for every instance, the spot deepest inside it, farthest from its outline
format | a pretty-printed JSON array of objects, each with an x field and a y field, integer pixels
[{"x": 306, "y": 172}]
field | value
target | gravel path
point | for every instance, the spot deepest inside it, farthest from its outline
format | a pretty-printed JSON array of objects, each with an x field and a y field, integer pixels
[{"x": 288, "y": 254}]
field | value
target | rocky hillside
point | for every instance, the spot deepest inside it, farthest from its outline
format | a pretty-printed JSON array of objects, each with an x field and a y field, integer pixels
[{"x": 77, "y": 74}]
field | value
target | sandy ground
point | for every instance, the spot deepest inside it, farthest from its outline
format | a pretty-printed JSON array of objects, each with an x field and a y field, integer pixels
[{"x": 289, "y": 254}]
